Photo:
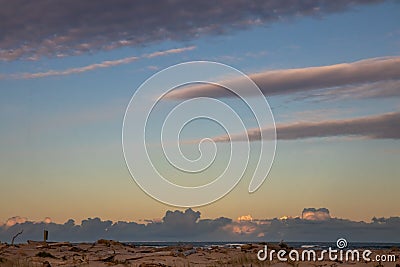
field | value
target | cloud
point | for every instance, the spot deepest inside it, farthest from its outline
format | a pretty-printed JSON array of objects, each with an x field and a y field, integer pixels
[
  {"x": 384, "y": 126},
  {"x": 313, "y": 214},
  {"x": 374, "y": 77},
  {"x": 175, "y": 225},
  {"x": 242, "y": 228},
  {"x": 31, "y": 30},
  {"x": 245, "y": 218},
  {"x": 152, "y": 67},
  {"x": 104, "y": 64},
  {"x": 15, "y": 220},
  {"x": 20, "y": 220},
  {"x": 47, "y": 220},
  {"x": 181, "y": 219},
  {"x": 178, "y": 217},
  {"x": 315, "y": 225},
  {"x": 381, "y": 89}
]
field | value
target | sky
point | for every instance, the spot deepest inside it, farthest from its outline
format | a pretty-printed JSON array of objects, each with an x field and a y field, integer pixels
[{"x": 330, "y": 71}]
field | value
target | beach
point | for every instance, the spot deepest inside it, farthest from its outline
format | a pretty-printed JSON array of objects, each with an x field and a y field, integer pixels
[{"x": 113, "y": 253}]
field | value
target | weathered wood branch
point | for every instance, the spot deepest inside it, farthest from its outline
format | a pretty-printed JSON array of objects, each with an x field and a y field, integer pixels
[{"x": 15, "y": 236}]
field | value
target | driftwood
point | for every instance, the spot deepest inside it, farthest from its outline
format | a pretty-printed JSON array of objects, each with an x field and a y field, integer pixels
[
  {"x": 15, "y": 236},
  {"x": 108, "y": 259},
  {"x": 134, "y": 258},
  {"x": 56, "y": 244}
]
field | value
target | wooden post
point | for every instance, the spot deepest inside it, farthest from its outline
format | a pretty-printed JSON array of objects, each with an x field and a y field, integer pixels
[{"x": 45, "y": 235}]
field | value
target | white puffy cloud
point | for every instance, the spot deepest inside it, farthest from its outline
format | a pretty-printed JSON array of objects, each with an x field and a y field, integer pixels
[
  {"x": 245, "y": 218},
  {"x": 313, "y": 214},
  {"x": 15, "y": 220},
  {"x": 47, "y": 220}
]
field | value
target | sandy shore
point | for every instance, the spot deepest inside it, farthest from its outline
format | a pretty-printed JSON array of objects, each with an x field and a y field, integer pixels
[{"x": 111, "y": 253}]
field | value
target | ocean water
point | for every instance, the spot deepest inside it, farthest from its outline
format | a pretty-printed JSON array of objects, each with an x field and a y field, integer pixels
[{"x": 296, "y": 245}]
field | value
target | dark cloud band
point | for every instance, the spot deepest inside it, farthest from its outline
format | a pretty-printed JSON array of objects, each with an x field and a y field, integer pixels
[
  {"x": 314, "y": 225},
  {"x": 32, "y": 29}
]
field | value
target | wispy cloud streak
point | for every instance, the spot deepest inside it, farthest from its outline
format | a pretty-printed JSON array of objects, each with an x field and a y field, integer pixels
[
  {"x": 104, "y": 64},
  {"x": 384, "y": 126}
]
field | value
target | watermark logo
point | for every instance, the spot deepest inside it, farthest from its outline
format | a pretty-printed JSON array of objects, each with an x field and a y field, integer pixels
[
  {"x": 330, "y": 254},
  {"x": 341, "y": 243},
  {"x": 171, "y": 101}
]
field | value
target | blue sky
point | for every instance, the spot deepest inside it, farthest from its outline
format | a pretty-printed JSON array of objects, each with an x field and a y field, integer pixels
[{"x": 61, "y": 134}]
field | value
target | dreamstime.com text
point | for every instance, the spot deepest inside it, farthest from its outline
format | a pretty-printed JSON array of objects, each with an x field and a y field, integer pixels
[{"x": 338, "y": 254}]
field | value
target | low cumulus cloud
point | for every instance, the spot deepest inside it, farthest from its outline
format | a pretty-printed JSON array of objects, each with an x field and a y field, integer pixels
[
  {"x": 15, "y": 220},
  {"x": 245, "y": 218},
  {"x": 20, "y": 220},
  {"x": 372, "y": 77},
  {"x": 383, "y": 126},
  {"x": 314, "y": 214},
  {"x": 314, "y": 225},
  {"x": 33, "y": 29}
]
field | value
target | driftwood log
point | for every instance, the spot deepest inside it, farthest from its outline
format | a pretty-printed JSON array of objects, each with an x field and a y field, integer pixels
[{"x": 15, "y": 236}]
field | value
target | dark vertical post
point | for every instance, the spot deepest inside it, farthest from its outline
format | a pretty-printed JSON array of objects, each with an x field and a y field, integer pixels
[{"x": 45, "y": 235}]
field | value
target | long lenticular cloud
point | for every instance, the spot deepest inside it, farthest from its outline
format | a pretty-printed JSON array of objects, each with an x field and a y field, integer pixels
[
  {"x": 35, "y": 29},
  {"x": 287, "y": 81},
  {"x": 384, "y": 126}
]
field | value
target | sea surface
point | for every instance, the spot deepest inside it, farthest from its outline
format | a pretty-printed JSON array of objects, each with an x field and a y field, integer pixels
[{"x": 295, "y": 245}]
